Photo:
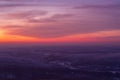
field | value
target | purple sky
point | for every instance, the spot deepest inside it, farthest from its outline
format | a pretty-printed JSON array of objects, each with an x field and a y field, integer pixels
[{"x": 61, "y": 19}]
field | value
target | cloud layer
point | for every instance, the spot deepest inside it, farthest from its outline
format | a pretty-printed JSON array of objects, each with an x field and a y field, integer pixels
[{"x": 56, "y": 18}]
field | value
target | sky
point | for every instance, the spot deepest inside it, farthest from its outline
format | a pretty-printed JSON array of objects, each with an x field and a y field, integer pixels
[{"x": 60, "y": 21}]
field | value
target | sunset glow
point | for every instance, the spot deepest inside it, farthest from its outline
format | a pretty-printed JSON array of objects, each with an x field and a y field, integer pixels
[{"x": 59, "y": 21}]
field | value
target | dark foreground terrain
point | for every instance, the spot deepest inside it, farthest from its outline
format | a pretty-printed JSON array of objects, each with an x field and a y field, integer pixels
[
  {"x": 36, "y": 63},
  {"x": 23, "y": 72}
]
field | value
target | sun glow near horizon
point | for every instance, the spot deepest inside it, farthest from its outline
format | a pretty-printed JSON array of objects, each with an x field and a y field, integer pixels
[
  {"x": 1, "y": 33},
  {"x": 101, "y": 36},
  {"x": 57, "y": 21}
]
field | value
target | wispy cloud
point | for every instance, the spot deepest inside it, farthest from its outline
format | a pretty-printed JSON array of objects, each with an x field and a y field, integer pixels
[
  {"x": 26, "y": 14},
  {"x": 53, "y": 18},
  {"x": 16, "y": 3},
  {"x": 56, "y": 30},
  {"x": 12, "y": 5},
  {"x": 110, "y": 6},
  {"x": 11, "y": 27}
]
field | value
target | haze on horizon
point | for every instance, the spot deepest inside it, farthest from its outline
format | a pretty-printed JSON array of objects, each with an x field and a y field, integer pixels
[{"x": 60, "y": 21}]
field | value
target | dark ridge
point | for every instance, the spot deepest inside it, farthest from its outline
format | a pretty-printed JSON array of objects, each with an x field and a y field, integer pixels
[{"x": 17, "y": 71}]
